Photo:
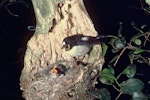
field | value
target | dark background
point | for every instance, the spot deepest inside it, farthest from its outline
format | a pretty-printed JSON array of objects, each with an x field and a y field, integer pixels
[{"x": 14, "y": 35}]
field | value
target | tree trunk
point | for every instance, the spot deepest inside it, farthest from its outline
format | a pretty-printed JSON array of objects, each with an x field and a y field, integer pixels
[{"x": 49, "y": 73}]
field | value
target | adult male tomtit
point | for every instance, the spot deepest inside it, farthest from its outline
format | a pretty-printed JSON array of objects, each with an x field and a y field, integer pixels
[{"x": 78, "y": 45}]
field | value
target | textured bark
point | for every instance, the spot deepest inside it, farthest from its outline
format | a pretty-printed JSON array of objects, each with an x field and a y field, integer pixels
[{"x": 44, "y": 53}]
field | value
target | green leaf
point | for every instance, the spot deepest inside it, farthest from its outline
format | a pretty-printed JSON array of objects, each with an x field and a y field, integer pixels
[
  {"x": 111, "y": 69},
  {"x": 131, "y": 85},
  {"x": 139, "y": 96},
  {"x": 138, "y": 50},
  {"x": 106, "y": 71},
  {"x": 137, "y": 42},
  {"x": 120, "y": 43},
  {"x": 102, "y": 94},
  {"x": 143, "y": 26},
  {"x": 130, "y": 70},
  {"x": 107, "y": 76},
  {"x": 107, "y": 79},
  {"x": 104, "y": 49}
]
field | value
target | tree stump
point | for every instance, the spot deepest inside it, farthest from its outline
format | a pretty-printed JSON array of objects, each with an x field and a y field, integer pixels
[{"x": 48, "y": 72}]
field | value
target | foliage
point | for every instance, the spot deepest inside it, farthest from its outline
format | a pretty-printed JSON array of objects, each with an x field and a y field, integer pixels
[
  {"x": 102, "y": 94},
  {"x": 145, "y": 4},
  {"x": 135, "y": 45},
  {"x": 135, "y": 49}
]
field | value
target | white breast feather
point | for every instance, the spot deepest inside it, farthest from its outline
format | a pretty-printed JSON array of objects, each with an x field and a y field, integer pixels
[{"x": 78, "y": 51}]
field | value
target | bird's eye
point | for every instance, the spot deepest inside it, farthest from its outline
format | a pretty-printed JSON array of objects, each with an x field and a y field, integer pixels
[{"x": 67, "y": 47}]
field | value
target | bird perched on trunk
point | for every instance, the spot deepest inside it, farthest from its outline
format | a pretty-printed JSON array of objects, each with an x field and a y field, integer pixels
[{"x": 79, "y": 45}]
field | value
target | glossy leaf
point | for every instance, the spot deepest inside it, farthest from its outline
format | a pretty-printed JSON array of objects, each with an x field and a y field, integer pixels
[
  {"x": 130, "y": 70},
  {"x": 102, "y": 94},
  {"x": 104, "y": 49},
  {"x": 117, "y": 43},
  {"x": 138, "y": 50},
  {"x": 107, "y": 79},
  {"x": 107, "y": 76},
  {"x": 137, "y": 41},
  {"x": 139, "y": 96},
  {"x": 131, "y": 85},
  {"x": 120, "y": 43},
  {"x": 108, "y": 70},
  {"x": 111, "y": 69}
]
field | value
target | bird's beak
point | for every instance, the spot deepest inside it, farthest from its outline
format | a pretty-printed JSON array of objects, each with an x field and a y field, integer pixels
[{"x": 63, "y": 46}]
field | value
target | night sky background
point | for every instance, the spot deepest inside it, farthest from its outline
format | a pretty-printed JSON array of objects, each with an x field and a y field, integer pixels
[{"x": 105, "y": 14}]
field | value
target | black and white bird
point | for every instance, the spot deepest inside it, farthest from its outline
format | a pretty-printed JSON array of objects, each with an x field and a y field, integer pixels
[{"x": 79, "y": 45}]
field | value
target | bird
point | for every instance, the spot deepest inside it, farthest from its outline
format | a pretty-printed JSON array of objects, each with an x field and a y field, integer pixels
[
  {"x": 57, "y": 70},
  {"x": 79, "y": 45}
]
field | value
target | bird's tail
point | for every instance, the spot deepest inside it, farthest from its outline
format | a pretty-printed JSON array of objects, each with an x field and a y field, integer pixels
[{"x": 98, "y": 39}]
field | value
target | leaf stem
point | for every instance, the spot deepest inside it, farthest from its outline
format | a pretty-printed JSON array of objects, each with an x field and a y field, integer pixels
[
  {"x": 116, "y": 88},
  {"x": 111, "y": 36},
  {"x": 120, "y": 55},
  {"x": 119, "y": 95},
  {"x": 117, "y": 79},
  {"x": 118, "y": 76},
  {"x": 139, "y": 35},
  {"x": 146, "y": 39},
  {"x": 11, "y": 12}
]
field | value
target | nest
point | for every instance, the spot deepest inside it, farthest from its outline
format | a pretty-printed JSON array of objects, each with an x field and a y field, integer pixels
[{"x": 42, "y": 78}]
